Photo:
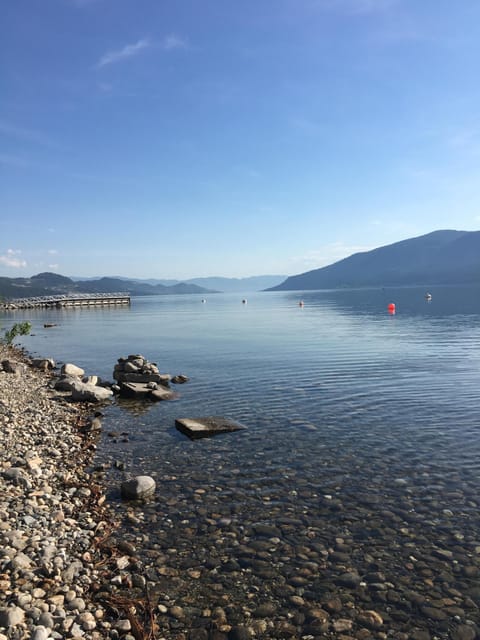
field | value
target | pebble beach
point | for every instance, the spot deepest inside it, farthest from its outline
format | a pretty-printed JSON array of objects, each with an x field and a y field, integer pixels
[{"x": 52, "y": 515}]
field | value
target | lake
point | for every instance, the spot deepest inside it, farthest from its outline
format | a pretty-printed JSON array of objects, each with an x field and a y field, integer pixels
[{"x": 354, "y": 487}]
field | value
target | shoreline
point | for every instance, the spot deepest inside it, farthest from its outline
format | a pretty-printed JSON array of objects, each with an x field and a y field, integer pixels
[{"x": 57, "y": 557}]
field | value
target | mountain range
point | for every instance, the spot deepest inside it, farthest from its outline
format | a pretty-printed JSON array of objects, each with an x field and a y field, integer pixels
[
  {"x": 225, "y": 285},
  {"x": 440, "y": 257},
  {"x": 44, "y": 284}
]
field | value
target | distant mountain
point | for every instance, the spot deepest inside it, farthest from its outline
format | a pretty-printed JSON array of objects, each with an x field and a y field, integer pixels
[
  {"x": 45, "y": 284},
  {"x": 253, "y": 283},
  {"x": 440, "y": 257},
  {"x": 167, "y": 282}
]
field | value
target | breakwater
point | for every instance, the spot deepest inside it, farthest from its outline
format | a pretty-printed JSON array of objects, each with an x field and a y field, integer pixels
[{"x": 68, "y": 300}]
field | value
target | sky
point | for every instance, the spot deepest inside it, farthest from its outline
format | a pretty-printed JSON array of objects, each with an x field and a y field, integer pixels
[{"x": 188, "y": 138}]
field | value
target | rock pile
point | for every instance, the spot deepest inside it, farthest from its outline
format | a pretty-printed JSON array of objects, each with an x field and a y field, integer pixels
[{"x": 139, "y": 378}]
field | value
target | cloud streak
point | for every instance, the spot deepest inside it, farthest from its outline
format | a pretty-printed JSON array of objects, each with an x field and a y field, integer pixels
[
  {"x": 173, "y": 41},
  {"x": 12, "y": 259},
  {"x": 128, "y": 51}
]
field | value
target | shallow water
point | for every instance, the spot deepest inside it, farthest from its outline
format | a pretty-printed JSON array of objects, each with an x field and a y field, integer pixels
[{"x": 361, "y": 450}]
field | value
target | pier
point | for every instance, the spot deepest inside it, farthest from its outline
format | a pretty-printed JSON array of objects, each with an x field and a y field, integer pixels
[{"x": 67, "y": 300}]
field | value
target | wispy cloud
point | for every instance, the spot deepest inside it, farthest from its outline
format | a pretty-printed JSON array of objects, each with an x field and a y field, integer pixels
[
  {"x": 128, "y": 51},
  {"x": 12, "y": 259},
  {"x": 52, "y": 252},
  {"x": 53, "y": 266},
  {"x": 173, "y": 41}
]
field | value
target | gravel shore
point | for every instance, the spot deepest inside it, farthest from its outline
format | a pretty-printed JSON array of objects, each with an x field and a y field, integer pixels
[{"x": 53, "y": 521}]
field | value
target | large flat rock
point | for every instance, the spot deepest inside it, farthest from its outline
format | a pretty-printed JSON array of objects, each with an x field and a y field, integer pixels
[
  {"x": 142, "y": 390},
  {"x": 207, "y": 426}
]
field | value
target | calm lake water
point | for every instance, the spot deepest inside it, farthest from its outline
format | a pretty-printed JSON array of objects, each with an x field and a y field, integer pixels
[{"x": 362, "y": 450}]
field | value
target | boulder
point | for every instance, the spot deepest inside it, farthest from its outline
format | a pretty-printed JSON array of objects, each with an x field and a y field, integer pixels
[
  {"x": 145, "y": 390},
  {"x": 69, "y": 369},
  {"x": 163, "y": 394},
  {"x": 160, "y": 378},
  {"x": 84, "y": 392},
  {"x": 45, "y": 364},
  {"x": 12, "y": 366},
  {"x": 65, "y": 383},
  {"x": 207, "y": 426},
  {"x": 180, "y": 379},
  {"x": 138, "y": 487}
]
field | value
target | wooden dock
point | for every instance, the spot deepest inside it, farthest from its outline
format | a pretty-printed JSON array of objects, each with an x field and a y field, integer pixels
[{"x": 67, "y": 300}]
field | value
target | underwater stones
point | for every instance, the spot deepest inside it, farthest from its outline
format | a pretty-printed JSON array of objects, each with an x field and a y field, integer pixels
[
  {"x": 138, "y": 487},
  {"x": 206, "y": 426}
]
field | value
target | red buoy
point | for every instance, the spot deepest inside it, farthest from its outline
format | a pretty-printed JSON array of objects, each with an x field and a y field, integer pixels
[{"x": 391, "y": 308}]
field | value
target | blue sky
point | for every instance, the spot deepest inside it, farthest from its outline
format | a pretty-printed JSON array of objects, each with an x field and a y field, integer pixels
[{"x": 183, "y": 138}]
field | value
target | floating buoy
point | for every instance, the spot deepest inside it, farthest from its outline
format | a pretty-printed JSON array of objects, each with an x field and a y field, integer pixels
[
  {"x": 203, "y": 300},
  {"x": 391, "y": 308},
  {"x": 428, "y": 296},
  {"x": 301, "y": 303},
  {"x": 244, "y": 301}
]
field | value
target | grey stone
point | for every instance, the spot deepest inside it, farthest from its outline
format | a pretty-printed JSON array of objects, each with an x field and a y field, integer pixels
[
  {"x": 11, "y": 366},
  {"x": 84, "y": 392},
  {"x": 11, "y": 616},
  {"x": 21, "y": 561},
  {"x": 16, "y": 476},
  {"x": 207, "y": 426},
  {"x": 44, "y": 364},
  {"x": 138, "y": 487},
  {"x": 40, "y": 633},
  {"x": 163, "y": 394},
  {"x": 72, "y": 370},
  {"x": 65, "y": 383}
]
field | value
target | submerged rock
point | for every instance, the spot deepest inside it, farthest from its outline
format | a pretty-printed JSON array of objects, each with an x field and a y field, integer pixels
[{"x": 207, "y": 426}]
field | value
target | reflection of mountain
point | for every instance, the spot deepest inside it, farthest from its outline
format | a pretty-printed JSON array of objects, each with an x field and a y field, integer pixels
[
  {"x": 441, "y": 257},
  {"x": 45, "y": 284}
]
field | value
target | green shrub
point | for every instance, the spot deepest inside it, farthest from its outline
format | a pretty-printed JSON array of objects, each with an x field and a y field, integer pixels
[{"x": 18, "y": 329}]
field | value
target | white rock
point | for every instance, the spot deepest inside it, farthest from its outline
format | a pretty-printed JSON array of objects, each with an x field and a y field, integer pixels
[
  {"x": 40, "y": 633},
  {"x": 138, "y": 487},
  {"x": 69, "y": 369}
]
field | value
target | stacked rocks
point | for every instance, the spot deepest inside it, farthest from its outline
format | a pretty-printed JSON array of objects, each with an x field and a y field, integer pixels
[{"x": 139, "y": 378}]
